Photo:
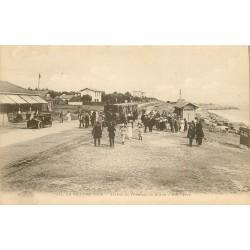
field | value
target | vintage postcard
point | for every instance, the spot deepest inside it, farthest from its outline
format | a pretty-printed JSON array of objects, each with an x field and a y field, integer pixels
[{"x": 124, "y": 125}]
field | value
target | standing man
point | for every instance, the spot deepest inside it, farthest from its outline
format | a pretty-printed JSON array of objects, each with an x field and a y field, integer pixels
[
  {"x": 191, "y": 134},
  {"x": 61, "y": 117},
  {"x": 94, "y": 116},
  {"x": 176, "y": 125},
  {"x": 111, "y": 130},
  {"x": 151, "y": 123},
  {"x": 162, "y": 123},
  {"x": 171, "y": 119},
  {"x": 135, "y": 115},
  {"x": 145, "y": 123},
  {"x": 97, "y": 133},
  {"x": 87, "y": 120},
  {"x": 143, "y": 117},
  {"x": 81, "y": 119},
  {"x": 199, "y": 132},
  {"x": 185, "y": 124}
]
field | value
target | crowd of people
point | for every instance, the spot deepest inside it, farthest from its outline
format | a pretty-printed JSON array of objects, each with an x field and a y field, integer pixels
[
  {"x": 163, "y": 122},
  {"x": 169, "y": 122},
  {"x": 85, "y": 118}
]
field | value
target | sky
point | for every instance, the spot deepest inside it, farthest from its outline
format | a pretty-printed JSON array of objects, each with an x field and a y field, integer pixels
[{"x": 205, "y": 74}]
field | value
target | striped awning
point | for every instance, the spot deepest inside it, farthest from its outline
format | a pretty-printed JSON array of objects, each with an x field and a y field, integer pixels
[
  {"x": 38, "y": 99},
  {"x": 29, "y": 99},
  {"x": 17, "y": 99},
  {"x": 6, "y": 100},
  {"x": 21, "y": 99}
]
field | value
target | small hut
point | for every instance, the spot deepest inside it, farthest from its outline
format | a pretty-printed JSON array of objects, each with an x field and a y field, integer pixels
[{"x": 186, "y": 110}]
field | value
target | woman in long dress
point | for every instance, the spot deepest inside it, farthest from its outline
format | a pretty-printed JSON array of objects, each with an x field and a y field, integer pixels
[
  {"x": 130, "y": 130},
  {"x": 182, "y": 124},
  {"x": 68, "y": 116},
  {"x": 123, "y": 132}
]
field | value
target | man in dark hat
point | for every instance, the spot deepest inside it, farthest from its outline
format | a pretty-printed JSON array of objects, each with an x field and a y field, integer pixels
[
  {"x": 145, "y": 122},
  {"x": 199, "y": 132},
  {"x": 151, "y": 123},
  {"x": 81, "y": 120},
  {"x": 97, "y": 133},
  {"x": 87, "y": 120},
  {"x": 111, "y": 130},
  {"x": 191, "y": 134}
]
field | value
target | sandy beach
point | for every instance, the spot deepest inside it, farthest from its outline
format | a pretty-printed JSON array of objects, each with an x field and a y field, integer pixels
[{"x": 66, "y": 161}]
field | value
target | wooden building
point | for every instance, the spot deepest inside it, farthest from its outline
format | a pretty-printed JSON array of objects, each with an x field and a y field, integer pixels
[
  {"x": 94, "y": 93},
  {"x": 186, "y": 110},
  {"x": 14, "y": 99}
]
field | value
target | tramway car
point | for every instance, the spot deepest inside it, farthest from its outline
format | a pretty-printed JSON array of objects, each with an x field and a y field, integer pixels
[{"x": 118, "y": 112}]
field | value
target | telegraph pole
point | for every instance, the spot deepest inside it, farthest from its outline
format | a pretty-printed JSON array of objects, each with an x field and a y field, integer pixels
[{"x": 39, "y": 77}]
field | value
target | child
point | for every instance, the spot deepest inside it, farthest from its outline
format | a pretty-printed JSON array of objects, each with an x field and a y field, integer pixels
[{"x": 140, "y": 130}]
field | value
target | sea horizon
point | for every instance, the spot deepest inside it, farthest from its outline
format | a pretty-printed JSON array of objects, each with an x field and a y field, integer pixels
[{"x": 235, "y": 115}]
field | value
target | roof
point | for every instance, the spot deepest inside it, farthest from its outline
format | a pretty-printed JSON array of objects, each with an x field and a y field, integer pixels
[
  {"x": 183, "y": 104},
  {"x": 76, "y": 99},
  {"x": 42, "y": 93},
  {"x": 63, "y": 96},
  {"x": 4, "y": 99},
  {"x": 123, "y": 104},
  {"x": 39, "y": 99},
  {"x": 93, "y": 89},
  {"x": 10, "y": 88},
  {"x": 13, "y": 94},
  {"x": 20, "y": 99},
  {"x": 58, "y": 100}
]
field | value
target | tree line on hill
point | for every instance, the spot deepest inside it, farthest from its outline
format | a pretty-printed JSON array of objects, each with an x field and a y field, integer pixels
[
  {"x": 53, "y": 93},
  {"x": 106, "y": 98},
  {"x": 119, "y": 98}
]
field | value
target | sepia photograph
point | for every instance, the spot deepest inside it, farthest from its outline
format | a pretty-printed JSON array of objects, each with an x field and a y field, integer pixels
[{"x": 124, "y": 124}]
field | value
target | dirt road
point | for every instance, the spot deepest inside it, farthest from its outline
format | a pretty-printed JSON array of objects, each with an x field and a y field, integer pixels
[{"x": 162, "y": 163}]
